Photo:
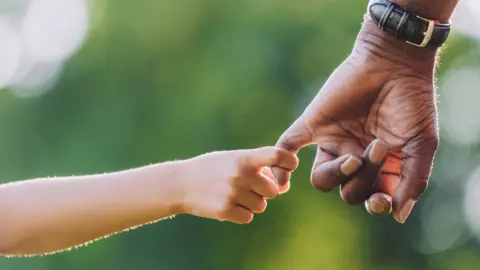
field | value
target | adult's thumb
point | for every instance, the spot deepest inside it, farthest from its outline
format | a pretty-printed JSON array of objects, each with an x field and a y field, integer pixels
[{"x": 293, "y": 139}]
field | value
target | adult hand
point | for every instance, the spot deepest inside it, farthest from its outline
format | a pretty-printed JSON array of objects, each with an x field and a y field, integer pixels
[{"x": 375, "y": 124}]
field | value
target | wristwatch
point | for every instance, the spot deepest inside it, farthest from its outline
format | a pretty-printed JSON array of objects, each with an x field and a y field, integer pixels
[{"x": 412, "y": 28}]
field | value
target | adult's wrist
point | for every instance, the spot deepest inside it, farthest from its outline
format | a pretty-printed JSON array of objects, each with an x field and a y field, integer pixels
[
  {"x": 439, "y": 10},
  {"x": 373, "y": 42}
]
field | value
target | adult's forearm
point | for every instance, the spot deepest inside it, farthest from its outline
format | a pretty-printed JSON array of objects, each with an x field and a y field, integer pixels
[
  {"x": 47, "y": 215},
  {"x": 440, "y": 10}
]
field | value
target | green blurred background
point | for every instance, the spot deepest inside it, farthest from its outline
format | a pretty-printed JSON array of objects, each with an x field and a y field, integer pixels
[{"x": 149, "y": 81}]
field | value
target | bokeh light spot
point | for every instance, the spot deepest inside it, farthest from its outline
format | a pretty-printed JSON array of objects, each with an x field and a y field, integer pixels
[
  {"x": 459, "y": 105},
  {"x": 54, "y": 29},
  {"x": 472, "y": 202},
  {"x": 10, "y": 52}
]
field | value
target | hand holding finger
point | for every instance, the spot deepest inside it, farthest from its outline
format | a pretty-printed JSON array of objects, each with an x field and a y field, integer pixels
[
  {"x": 270, "y": 156},
  {"x": 294, "y": 138}
]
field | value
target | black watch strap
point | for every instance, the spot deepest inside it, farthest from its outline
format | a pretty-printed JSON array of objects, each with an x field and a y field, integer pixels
[{"x": 414, "y": 29}]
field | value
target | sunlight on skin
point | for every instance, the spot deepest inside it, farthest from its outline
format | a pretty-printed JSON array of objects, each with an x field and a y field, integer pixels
[{"x": 87, "y": 243}]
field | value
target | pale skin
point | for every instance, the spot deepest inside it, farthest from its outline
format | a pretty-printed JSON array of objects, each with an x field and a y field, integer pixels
[{"x": 49, "y": 215}]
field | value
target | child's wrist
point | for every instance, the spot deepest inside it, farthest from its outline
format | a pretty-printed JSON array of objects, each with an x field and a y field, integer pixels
[
  {"x": 171, "y": 184},
  {"x": 180, "y": 187}
]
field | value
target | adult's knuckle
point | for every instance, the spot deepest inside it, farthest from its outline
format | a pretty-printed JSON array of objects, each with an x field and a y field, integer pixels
[
  {"x": 322, "y": 182},
  {"x": 427, "y": 141},
  {"x": 432, "y": 141},
  {"x": 334, "y": 176},
  {"x": 420, "y": 183},
  {"x": 288, "y": 142}
]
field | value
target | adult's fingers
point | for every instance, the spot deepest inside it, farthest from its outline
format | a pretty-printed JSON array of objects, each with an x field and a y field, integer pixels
[
  {"x": 380, "y": 202},
  {"x": 416, "y": 170},
  {"x": 329, "y": 172},
  {"x": 362, "y": 185},
  {"x": 294, "y": 138}
]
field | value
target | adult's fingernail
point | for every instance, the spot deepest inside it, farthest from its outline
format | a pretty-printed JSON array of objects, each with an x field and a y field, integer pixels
[
  {"x": 375, "y": 207},
  {"x": 402, "y": 216},
  {"x": 378, "y": 152},
  {"x": 351, "y": 165},
  {"x": 276, "y": 175}
]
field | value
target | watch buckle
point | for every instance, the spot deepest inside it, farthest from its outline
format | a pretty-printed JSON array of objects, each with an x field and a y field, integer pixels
[{"x": 427, "y": 34}]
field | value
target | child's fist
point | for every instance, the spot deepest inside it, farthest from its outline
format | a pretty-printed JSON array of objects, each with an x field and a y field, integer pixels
[{"x": 230, "y": 185}]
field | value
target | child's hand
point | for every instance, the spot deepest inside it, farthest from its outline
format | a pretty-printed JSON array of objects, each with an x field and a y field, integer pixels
[{"x": 232, "y": 185}]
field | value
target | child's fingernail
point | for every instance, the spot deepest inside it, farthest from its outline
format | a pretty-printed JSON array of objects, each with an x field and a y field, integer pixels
[
  {"x": 351, "y": 165},
  {"x": 378, "y": 152}
]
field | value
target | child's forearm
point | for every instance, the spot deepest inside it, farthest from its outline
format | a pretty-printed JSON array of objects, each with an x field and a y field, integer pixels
[{"x": 47, "y": 215}]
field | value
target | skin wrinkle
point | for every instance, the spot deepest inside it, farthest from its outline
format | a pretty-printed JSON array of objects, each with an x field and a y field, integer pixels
[
  {"x": 428, "y": 114},
  {"x": 385, "y": 89},
  {"x": 337, "y": 143},
  {"x": 374, "y": 41},
  {"x": 330, "y": 120},
  {"x": 364, "y": 126},
  {"x": 421, "y": 182},
  {"x": 417, "y": 91},
  {"x": 380, "y": 104},
  {"x": 408, "y": 74},
  {"x": 380, "y": 101},
  {"x": 290, "y": 142}
]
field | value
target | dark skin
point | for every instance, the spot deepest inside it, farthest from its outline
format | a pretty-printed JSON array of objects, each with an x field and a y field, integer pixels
[{"x": 375, "y": 120}]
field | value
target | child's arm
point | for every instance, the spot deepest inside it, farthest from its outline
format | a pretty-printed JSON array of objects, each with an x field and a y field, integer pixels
[{"x": 48, "y": 215}]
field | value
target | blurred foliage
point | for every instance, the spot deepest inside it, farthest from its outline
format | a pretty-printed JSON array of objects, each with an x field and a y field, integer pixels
[{"x": 170, "y": 79}]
